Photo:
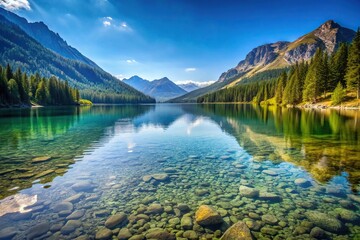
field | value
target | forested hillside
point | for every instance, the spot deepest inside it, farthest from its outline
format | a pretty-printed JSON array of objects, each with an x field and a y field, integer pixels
[
  {"x": 308, "y": 81},
  {"x": 17, "y": 88},
  {"x": 20, "y": 50}
]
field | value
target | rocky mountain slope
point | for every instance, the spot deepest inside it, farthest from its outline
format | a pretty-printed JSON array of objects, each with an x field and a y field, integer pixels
[
  {"x": 161, "y": 89},
  {"x": 277, "y": 55},
  {"x": 20, "y": 50},
  {"x": 49, "y": 39}
]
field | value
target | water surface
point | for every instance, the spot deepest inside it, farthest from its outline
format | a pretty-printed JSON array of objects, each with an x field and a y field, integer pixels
[{"x": 91, "y": 162}]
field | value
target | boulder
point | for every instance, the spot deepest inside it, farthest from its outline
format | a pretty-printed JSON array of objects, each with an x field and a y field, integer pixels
[
  {"x": 207, "y": 215},
  {"x": 238, "y": 231},
  {"x": 76, "y": 215},
  {"x": 83, "y": 186},
  {"x": 272, "y": 197}
]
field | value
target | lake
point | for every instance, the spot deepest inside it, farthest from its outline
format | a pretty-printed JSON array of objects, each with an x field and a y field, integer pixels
[{"x": 284, "y": 172}]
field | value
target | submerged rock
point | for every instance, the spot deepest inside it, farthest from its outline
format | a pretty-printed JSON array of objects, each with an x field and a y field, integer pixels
[
  {"x": 347, "y": 215},
  {"x": 159, "y": 234},
  {"x": 186, "y": 223},
  {"x": 155, "y": 208},
  {"x": 70, "y": 226},
  {"x": 324, "y": 221},
  {"x": 302, "y": 182},
  {"x": 63, "y": 206},
  {"x": 207, "y": 215},
  {"x": 248, "y": 192},
  {"x": 103, "y": 234},
  {"x": 76, "y": 215},
  {"x": 124, "y": 234},
  {"x": 266, "y": 196},
  {"x": 270, "y": 219},
  {"x": 238, "y": 231},
  {"x": 160, "y": 176},
  {"x": 7, "y": 233},
  {"x": 270, "y": 172},
  {"x": 83, "y": 186},
  {"x": 38, "y": 230},
  {"x": 41, "y": 159},
  {"x": 116, "y": 220}
]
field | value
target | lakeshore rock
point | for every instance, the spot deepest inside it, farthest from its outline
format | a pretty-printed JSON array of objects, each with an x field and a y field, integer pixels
[
  {"x": 103, "y": 234},
  {"x": 324, "y": 221},
  {"x": 115, "y": 220},
  {"x": 238, "y": 231},
  {"x": 248, "y": 192},
  {"x": 207, "y": 215},
  {"x": 266, "y": 196}
]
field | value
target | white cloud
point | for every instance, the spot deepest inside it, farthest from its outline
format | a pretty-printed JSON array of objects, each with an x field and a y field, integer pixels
[
  {"x": 130, "y": 61},
  {"x": 199, "y": 84},
  {"x": 190, "y": 69},
  {"x": 109, "y": 18},
  {"x": 15, "y": 4},
  {"x": 120, "y": 76},
  {"x": 106, "y": 23},
  {"x": 124, "y": 25}
]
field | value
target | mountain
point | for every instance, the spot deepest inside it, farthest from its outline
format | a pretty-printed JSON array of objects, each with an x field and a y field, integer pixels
[
  {"x": 160, "y": 89},
  {"x": 20, "y": 50},
  {"x": 188, "y": 87},
  {"x": 41, "y": 33},
  {"x": 281, "y": 54}
]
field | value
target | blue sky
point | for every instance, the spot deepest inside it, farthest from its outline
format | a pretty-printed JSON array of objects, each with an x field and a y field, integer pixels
[{"x": 184, "y": 40}]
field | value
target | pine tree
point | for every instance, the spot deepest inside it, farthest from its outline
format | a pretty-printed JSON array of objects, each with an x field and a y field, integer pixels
[
  {"x": 13, "y": 92},
  {"x": 338, "y": 95},
  {"x": 4, "y": 96},
  {"x": 353, "y": 65},
  {"x": 41, "y": 95},
  {"x": 280, "y": 88},
  {"x": 337, "y": 67}
]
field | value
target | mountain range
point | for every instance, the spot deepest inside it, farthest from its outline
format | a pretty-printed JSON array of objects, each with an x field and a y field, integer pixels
[
  {"x": 35, "y": 48},
  {"x": 279, "y": 55},
  {"x": 161, "y": 89}
]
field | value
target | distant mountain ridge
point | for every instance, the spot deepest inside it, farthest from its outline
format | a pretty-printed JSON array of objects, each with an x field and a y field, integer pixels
[
  {"x": 188, "y": 87},
  {"x": 49, "y": 39},
  {"x": 160, "y": 89},
  {"x": 277, "y": 55}
]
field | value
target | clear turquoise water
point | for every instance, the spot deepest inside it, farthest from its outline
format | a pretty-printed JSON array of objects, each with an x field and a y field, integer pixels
[{"x": 101, "y": 154}]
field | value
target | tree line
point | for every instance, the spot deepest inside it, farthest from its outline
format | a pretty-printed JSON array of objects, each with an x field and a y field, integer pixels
[
  {"x": 17, "y": 88},
  {"x": 305, "y": 81}
]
